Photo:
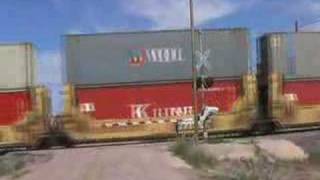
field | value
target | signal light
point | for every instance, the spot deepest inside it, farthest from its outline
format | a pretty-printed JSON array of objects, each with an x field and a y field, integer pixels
[{"x": 206, "y": 82}]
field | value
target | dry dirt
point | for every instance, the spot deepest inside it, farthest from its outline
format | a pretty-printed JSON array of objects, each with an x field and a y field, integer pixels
[
  {"x": 155, "y": 162},
  {"x": 229, "y": 151},
  {"x": 283, "y": 149},
  {"x": 129, "y": 162},
  {"x": 279, "y": 149}
]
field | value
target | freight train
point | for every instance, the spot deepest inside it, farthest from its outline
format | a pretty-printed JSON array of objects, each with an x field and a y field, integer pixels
[
  {"x": 138, "y": 85},
  {"x": 25, "y": 107}
]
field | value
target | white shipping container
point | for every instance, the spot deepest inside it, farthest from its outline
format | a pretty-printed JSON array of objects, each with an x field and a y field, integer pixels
[{"x": 17, "y": 66}]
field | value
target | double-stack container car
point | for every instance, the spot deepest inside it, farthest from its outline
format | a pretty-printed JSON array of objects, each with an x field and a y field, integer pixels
[
  {"x": 290, "y": 78},
  {"x": 22, "y": 104},
  {"x": 140, "y": 83}
]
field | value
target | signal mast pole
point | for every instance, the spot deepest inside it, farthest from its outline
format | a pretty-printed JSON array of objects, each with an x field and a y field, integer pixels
[{"x": 194, "y": 74}]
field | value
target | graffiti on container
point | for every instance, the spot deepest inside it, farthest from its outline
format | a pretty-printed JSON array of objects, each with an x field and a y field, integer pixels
[
  {"x": 139, "y": 57},
  {"x": 144, "y": 111}
]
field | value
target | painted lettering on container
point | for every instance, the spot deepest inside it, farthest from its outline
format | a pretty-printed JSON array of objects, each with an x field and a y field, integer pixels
[
  {"x": 139, "y": 57},
  {"x": 145, "y": 111},
  {"x": 139, "y": 110}
]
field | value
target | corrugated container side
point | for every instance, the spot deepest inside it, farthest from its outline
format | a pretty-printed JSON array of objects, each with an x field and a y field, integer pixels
[
  {"x": 289, "y": 75},
  {"x": 306, "y": 60},
  {"x": 153, "y": 101},
  {"x": 154, "y": 56},
  {"x": 276, "y": 49},
  {"x": 296, "y": 55},
  {"x": 294, "y": 102},
  {"x": 17, "y": 66},
  {"x": 306, "y": 91},
  {"x": 128, "y": 57},
  {"x": 14, "y": 107},
  {"x": 228, "y": 52},
  {"x": 23, "y": 116}
]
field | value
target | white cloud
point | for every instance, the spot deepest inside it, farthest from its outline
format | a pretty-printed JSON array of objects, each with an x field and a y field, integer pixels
[
  {"x": 91, "y": 16},
  {"x": 162, "y": 13},
  {"x": 49, "y": 68},
  {"x": 175, "y": 13},
  {"x": 311, "y": 28},
  {"x": 97, "y": 28},
  {"x": 301, "y": 7},
  {"x": 314, "y": 7},
  {"x": 76, "y": 31}
]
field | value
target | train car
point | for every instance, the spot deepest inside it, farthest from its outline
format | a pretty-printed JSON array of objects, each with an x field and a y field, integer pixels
[
  {"x": 22, "y": 104},
  {"x": 138, "y": 84},
  {"x": 290, "y": 78}
]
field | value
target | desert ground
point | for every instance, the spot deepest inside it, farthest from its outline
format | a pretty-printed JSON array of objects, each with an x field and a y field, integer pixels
[{"x": 299, "y": 154}]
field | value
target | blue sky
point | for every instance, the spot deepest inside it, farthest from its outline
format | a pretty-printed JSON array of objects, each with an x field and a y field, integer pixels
[{"x": 43, "y": 22}]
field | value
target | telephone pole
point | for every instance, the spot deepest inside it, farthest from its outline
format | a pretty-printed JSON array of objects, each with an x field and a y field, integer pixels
[
  {"x": 194, "y": 74},
  {"x": 296, "y": 26}
]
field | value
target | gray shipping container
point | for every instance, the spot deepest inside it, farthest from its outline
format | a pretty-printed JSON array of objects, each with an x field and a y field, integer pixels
[
  {"x": 17, "y": 66},
  {"x": 115, "y": 58},
  {"x": 229, "y": 52},
  {"x": 296, "y": 55}
]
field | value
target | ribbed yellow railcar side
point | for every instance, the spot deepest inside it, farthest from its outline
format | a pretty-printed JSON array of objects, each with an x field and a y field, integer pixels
[
  {"x": 244, "y": 109},
  {"x": 28, "y": 129},
  {"x": 287, "y": 108},
  {"x": 82, "y": 126}
]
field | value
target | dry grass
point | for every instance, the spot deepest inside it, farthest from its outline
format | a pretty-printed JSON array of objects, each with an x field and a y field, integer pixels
[
  {"x": 260, "y": 166},
  {"x": 11, "y": 164},
  {"x": 14, "y": 164},
  {"x": 192, "y": 155},
  {"x": 314, "y": 155}
]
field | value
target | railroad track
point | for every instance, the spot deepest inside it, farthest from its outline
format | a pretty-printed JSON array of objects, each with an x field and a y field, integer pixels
[{"x": 213, "y": 136}]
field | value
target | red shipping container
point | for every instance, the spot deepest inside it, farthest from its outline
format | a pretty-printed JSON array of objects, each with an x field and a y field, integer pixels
[
  {"x": 154, "y": 101},
  {"x": 14, "y": 107},
  {"x": 307, "y": 91}
]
